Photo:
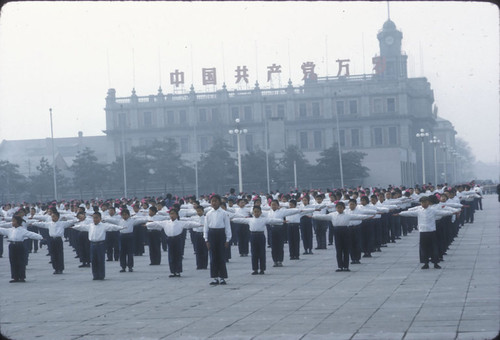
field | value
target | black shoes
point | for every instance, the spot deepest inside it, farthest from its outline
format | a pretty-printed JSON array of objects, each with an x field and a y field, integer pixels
[
  {"x": 57, "y": 272},
  {"x": 222, "y": 282},
  {"x": 130, "y": 270},
  {"x": 339, "y": 270},
  {"x": 367, "y": 255},
  {"x": 215, "y": 282},
  {"x": 123, "y": 270},
  {"x": 437, "y": 266},
  {"x": 175, "y": 275},
  {"x": 425, "y": 266},
  {"x": 84, "y": 265},
  {"x": 261, "y": 272},
  {"x": 355, "y": 262},
  {"x": 255, "y": 272}
]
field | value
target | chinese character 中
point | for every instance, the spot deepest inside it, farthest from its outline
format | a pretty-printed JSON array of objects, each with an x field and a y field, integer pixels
[
  {"x": 308, "y": 70},
  {"x": 209, "y": 76},
  {"x": 176, "y": 78},
  {"x": 342, "y": 65},
  {"x": 241, "y": 73},
  {"x": 273, "y": 69}
]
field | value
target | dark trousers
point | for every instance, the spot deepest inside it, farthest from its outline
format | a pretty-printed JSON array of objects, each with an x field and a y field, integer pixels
[
  {"x": 367, "y": 230},
  {"x": 428, "y": 247},
  {"x": 234, "y": 233},
  {"x": 46, "y": 238},
  {"x": 355, "y": 232},
  {"x": 217, "y": 240},
  {"x": 17, "y": 261},
  {"x": 139, "y": 231},
  {"x": 84, "y": 247},
  {"x": 113, "y": 245},
  {"x": 163, "y": 238},
  {"x": 294, "y": 239},
  {"x": 330, "y": 233},
  {"x": 258, "y": 247},
  {"x": 306, "y": 231},
  {"x": 321, "y": 228},
  {"x": 127, "y": 250},
  {"x": 32, "y": 244},
  {"x": 57, "y": 253},
  {"x": 243, "y": 238},
  {"x": 384, "y": 221},
  {"x": 342, "y": 245},
  {"x": 377, "y": 229},
  {"x": 201, "y": 251},
  {"x": 277, "y": 244},
  {"x": 1, "y": 245},
  {"x": 97, "y": 255},
  {"x": 175, "y": 253},
  {"x": 26, "y": 250},
  {"x": 154, "y": 237}
]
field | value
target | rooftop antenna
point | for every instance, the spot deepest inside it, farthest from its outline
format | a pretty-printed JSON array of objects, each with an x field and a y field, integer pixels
[
  {"x": 159, "y": 65},
  {"x": 192, "y": 70},
  {"x": 223, "y": 65},
  {"x": 256, "y": 63},
  {"x": 421, "y": 59},
  {"x": 388, "y": 11},
  {"x": 289, "y": 63},
  {"x": 133, "y": 68},
  {"x": 363, "y": 43},
  {"x": 326, "y": 56}
]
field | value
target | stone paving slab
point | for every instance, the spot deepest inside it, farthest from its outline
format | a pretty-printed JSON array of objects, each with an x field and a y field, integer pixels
[{"x": 385, "y": 297}]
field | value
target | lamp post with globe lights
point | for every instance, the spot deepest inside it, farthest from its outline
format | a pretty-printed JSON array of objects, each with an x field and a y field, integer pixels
[
  {"x": 435, "y": 141},
  {"x": 422, "y": 135},
  {"x": 238, "y": 131}
]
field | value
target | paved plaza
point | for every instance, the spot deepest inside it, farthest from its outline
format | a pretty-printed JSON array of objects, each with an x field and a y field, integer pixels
[{"x": 385, "y": 297}]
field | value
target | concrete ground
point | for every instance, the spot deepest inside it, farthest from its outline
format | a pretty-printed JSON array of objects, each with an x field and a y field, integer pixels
[{"x": 386, "y": 297}]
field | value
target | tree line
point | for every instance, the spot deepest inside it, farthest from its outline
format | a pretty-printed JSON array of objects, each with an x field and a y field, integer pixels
[{"x": 160, "y": 168}]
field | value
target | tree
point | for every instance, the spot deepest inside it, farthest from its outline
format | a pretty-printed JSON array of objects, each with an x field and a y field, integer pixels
[
  {"x": 42, "y": 183},
  {"x": 291, "y": 155},
  {"x": 12, "y": 183},
  {"x": 217, "y": 169},
  {"x": 136, "y": 169},
  {"x": 327, "y": 168},
  {"x": 255, "y": 172},
  {"x": 88, "y": 173}
]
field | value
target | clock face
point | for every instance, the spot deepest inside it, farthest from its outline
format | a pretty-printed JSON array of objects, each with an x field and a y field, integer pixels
[{"x": 389, "y": 40}]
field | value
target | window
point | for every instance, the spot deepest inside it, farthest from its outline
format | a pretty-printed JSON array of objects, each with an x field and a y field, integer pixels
[
  {"x": 353, "y": 107},
  {"x": 170, "y": 117},
  {"x": 354, "y": 137},
  {"x": 122, "y": 119},
  {"x": 184, "y": 141},
  {"x": 235, "y": 113},
  {"x": 377, "y": 136},
  {"x": 302, "y": 110},
  {"x": 148, "y": 120},
  {"x": 182, "y": 116},
  {"x": 281, "y": 110},
  {"x": 339, "y": 105},
  {"x": 269, "y": 111},
  {"x": 317, "y": 140},
  {"x": 393, "y": 135},
  {"x": 215, "y": 114},
  {"x": 249, "y": 142},
  {"x": 248, "y": 113},
  {"x": 303, "y": 140},
  {"x": 315, "y": 109},
  {"x": 391, "y": 105},
  {"x": 377, "y": 105},
  {"x": 203, "y": 143},
  {"x": 342, "y": 137},
  {"x": 202, "y": 114}
]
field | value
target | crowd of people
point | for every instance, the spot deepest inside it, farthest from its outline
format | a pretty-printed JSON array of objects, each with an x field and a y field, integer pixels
[{"x": 357, "y": 222}]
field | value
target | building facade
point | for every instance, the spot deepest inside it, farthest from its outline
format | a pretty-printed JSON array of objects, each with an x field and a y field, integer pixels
[{"x": 378, "y": 114}]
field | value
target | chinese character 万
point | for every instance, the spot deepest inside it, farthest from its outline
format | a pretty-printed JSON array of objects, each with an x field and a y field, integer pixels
[
  {"x": 342, "y": 65},
  {"x": 241, "y": 73},
  {"x": 378, "y": 64},
  {"x": 308, "y": 70},
  {"x": 209, "y": 76},
  {"x": 176, "y": 78},
  {"x": 273, "y": 69}
]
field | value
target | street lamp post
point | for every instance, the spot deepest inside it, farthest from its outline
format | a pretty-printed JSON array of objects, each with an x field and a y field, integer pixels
[
  {"x": 435, "y": 141},
  {"x": 445, "y": 148},
  {"x": 53, "y": 156},
  {"x": 422, "y": 134},
  {"x": 340, "y": 151},
  {"x": 238, "y": 131}
]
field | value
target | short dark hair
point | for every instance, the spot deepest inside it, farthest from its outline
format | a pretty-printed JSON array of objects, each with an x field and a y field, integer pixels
[
  {"x": 340, "y": 204},
  {"x": 97, "y": 214}
]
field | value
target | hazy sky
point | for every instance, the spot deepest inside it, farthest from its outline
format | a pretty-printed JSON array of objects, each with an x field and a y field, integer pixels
[{"x": 65, "y": 55}]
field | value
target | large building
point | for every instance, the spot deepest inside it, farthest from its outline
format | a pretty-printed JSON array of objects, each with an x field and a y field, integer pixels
[{"x": 378, "y": 114}]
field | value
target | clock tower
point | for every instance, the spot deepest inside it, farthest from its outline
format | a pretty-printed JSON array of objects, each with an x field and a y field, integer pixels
[{"x": 395, "y": 62}]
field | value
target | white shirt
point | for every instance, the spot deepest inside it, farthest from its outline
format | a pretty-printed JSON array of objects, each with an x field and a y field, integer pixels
[
  {"x": 258, "y": 223},
  {"x": 339, "y": 220},
  {"x": 172, "y": 228},
  {"x": 56, "y": 229},
  {"x": 426, "y": 217},
  {"x": 217, "y": 219},
  {"x": 127, "y": 224},
  {"x": 97, "y": 232},
  {"x": 17, "y": 234}
]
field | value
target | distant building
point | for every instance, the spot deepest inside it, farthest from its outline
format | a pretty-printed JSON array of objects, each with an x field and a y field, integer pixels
[
  {"x": 27, "y": 153},
  {"x": 379, "y": 114}
]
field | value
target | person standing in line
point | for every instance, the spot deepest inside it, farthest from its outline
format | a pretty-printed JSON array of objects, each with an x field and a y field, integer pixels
[
  {"x": 112, "y": 237},
  {"x": 217, "y": 234},
  {"x": 154, "y": 237},
  {"x": 293, "y": 225},
  {"x": 340, "y": 221},
  {"x": 96, "y": 233},
  {"x": 306, "y": 226},
  {"x": 16, "y": 236},
  {"x": 257, "y": 226}
]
